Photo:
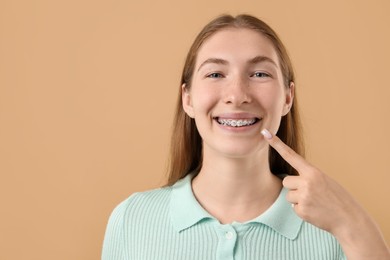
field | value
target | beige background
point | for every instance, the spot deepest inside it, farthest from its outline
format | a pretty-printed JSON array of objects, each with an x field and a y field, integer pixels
[{"x": 87, "y": 90}]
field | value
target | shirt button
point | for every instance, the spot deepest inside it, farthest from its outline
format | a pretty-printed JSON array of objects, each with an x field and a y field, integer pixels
[{"x": 229, "y": 235}]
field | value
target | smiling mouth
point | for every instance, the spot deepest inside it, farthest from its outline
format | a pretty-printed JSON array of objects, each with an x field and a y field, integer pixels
[{"x": 237, "y": 122}]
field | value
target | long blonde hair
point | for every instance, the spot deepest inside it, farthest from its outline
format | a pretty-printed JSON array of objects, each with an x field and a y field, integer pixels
[{"x": 186, "y": 143}]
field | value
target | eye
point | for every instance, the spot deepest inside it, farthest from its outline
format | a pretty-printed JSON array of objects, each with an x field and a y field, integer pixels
[
  {"x": 261, "y": 75},
  {"x": 214, "y": 75}
]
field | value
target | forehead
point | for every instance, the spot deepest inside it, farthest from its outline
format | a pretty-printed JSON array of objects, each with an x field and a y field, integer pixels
[{"x": 236, "y": 44}]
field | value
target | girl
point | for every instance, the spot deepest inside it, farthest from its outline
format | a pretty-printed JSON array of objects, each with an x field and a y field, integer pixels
[{"x": 239, "y": 187}]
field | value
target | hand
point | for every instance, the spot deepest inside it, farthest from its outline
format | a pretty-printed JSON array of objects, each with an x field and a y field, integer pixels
[
  {"x": 321, "y": 201},
  {"x": 316, "y": 197}
]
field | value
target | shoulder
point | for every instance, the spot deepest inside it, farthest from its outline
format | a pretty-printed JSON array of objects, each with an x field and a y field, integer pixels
[
  {"x": 142, "y": 202},
  {"x": 131, "y": 216}
]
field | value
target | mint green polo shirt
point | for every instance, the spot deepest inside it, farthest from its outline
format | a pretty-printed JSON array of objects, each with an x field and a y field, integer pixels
[{"x": 169, "y": 223}]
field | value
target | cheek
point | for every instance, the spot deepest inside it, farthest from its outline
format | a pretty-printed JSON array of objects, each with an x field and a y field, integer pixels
[
  {"x": 203, "y": 100},
  {"x": 272, "y": 99}
]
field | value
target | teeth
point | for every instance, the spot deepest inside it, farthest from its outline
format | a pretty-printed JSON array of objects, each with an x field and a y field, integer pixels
[{"x": 236, "y": 123}]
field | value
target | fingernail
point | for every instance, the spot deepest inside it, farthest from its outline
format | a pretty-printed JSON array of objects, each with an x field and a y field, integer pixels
[{"x": 266, "y": 134}]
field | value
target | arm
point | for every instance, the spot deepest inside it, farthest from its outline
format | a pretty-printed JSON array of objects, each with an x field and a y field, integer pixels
[
  {"x": 321, "y": 201},
  {"x": 362, "y": 239}
]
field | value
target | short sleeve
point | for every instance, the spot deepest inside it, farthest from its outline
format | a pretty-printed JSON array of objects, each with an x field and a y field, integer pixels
[{"x": 114, "y": 239}]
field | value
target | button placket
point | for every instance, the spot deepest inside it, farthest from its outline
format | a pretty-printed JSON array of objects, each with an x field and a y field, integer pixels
[
  {"x": 227, "y": 242},
  {"x": 229, "y": 235}
]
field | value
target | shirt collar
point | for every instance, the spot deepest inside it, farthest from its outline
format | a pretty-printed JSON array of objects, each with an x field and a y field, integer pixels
[
  {"x": 184, "y": 208},
  {"x": 186, "y": 211},
  {"x": 281, "y": 217}
]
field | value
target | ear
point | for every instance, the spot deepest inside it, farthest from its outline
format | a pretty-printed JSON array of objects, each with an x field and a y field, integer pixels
[
  {"x": 186, "y": 101},
  {"x": 289, "y": 98}
]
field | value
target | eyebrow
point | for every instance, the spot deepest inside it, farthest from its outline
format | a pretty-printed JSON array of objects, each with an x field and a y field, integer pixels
[
  {"x": 255, "y": 60},
  {"x": 213, "y": 60},
  {"x": 262, "y": 59}
]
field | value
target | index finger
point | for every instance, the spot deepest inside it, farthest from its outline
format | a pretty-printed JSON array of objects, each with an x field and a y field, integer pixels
[{"x": 288, "y": 154}]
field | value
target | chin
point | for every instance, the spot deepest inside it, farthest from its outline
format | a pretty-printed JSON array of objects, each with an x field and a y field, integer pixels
[{"x": 241, "y": 151}]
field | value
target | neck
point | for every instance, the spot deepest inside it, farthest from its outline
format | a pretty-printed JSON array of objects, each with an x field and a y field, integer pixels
[{"x": 236, "y": 189}]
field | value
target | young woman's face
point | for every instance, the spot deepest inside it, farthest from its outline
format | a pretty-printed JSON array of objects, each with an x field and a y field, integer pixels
[{"x": 236, "y": 91}]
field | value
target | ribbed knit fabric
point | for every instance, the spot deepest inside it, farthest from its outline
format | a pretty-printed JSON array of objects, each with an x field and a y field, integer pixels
[{"x": 169, "y": 224}]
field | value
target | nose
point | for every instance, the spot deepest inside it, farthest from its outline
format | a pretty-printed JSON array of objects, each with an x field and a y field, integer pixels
[{"x": 237, "y": 92}]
